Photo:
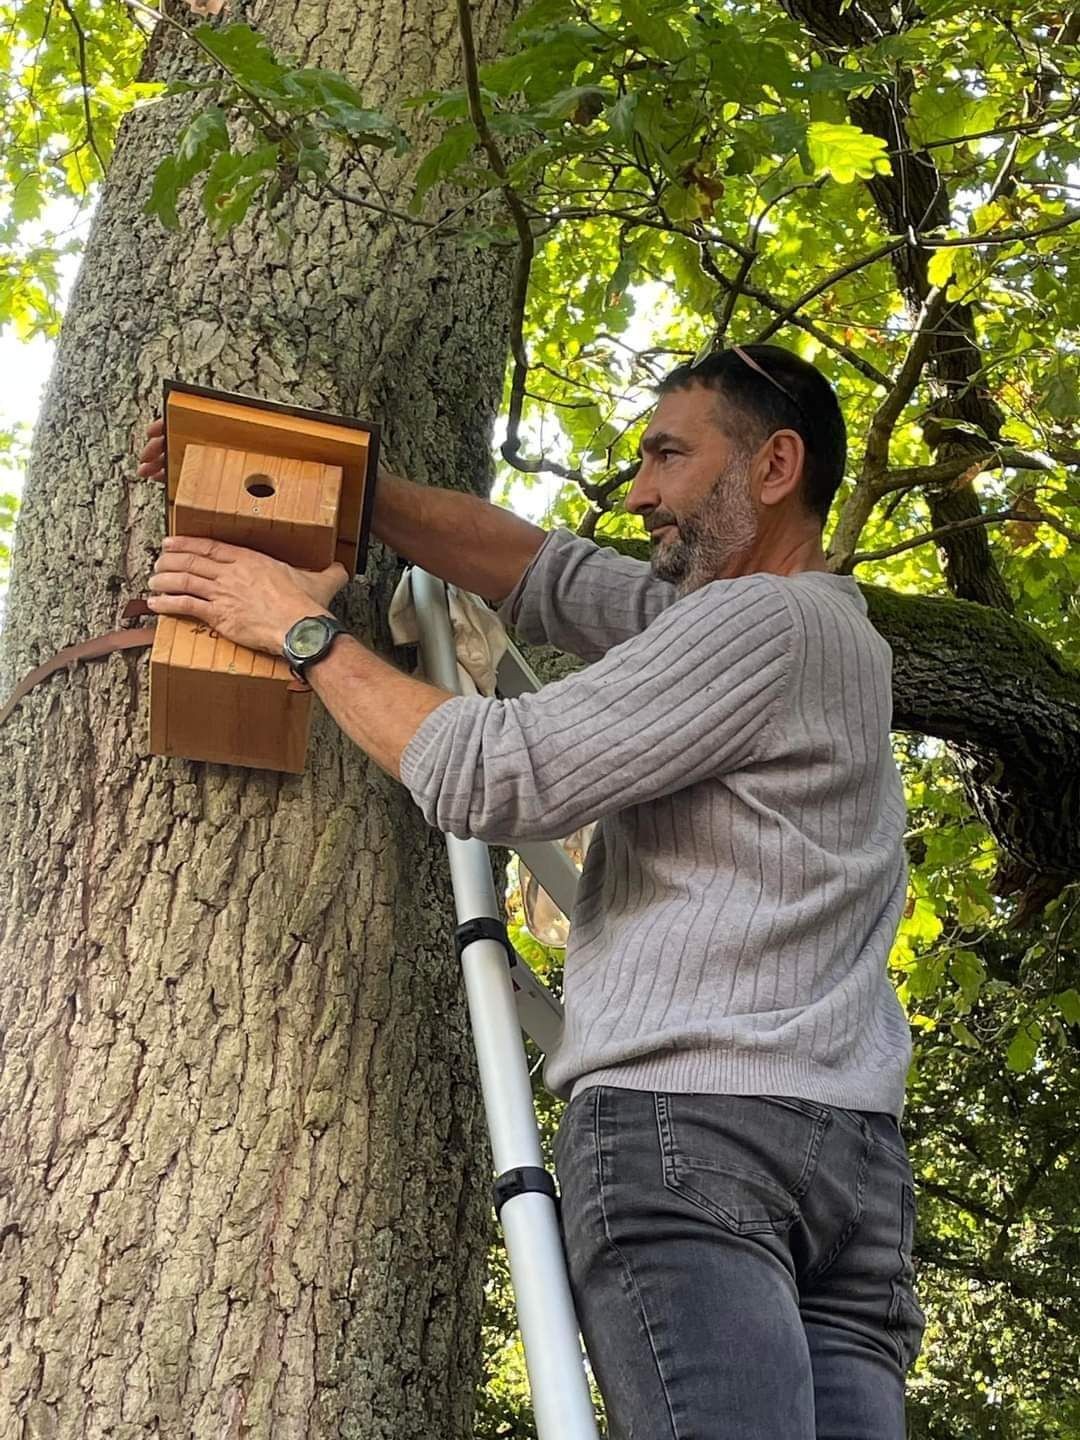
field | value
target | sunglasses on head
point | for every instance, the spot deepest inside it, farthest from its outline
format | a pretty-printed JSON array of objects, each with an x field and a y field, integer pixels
[{"x": 760, "y": 370}]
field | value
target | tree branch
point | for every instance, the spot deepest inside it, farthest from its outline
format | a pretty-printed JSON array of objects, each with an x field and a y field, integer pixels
[
  {"x": 876, "y": 457},
  {"x": 1002, "y": 237},
  {"x": 946, "y": 471},
  {"x": 973, "y": 1207},
  {"x": 939, "y": 533},
  {"x": 80, "y": 36},
  {"x": 881, "y": 252},
  {"x": 519, "y": 288}
]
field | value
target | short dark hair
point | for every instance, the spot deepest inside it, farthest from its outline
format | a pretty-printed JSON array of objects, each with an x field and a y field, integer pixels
[{"x": 809, "y": 407}]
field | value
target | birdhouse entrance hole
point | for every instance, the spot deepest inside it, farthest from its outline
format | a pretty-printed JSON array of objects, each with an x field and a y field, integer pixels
[{"x": 260, "y": 485}]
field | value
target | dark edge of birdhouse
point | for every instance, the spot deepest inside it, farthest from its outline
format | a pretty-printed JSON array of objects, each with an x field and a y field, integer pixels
[{"x": 300, "y": 413}]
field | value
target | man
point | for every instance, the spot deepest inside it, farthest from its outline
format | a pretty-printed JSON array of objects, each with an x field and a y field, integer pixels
[{"x": 737, "y": 1200}]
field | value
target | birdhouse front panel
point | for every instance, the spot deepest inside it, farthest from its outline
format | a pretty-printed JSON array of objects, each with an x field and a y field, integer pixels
[
  {"x": 213, "y": 700},
  {"x": 292, "y": 483},
  {"x": 284, "y": 507}
]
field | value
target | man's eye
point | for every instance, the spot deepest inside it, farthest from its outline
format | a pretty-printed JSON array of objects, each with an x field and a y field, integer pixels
[{"x": 664, "y": 454}]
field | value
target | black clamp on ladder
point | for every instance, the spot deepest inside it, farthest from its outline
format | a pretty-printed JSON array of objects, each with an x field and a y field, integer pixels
[
  {"x": 519, "y": 1182},
  {"x": 484, "y": 927}
]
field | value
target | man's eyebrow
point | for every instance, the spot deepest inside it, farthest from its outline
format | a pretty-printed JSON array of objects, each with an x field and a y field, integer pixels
[{"x": 660, "y": 440}]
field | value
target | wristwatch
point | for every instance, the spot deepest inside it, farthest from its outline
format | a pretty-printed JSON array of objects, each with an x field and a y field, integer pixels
[{"x": 309, "y": 640}]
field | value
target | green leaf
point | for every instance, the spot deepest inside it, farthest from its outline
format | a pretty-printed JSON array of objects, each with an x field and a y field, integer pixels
[
  {"x": 846, "y": 153},
  {"x": 583, "y": 101},
  {"x": 942, "y": 264},
  {"x": 343, "y": 106},
  {"x": 245, "y": 53},
  {"x": 964, "y": 1035},
  {"x": 947, "y": 111},
  {"x": 620, "y": 119},
  {"x": 444, "y": 159},
  {"x": 657, "y": 33},
  {"x": 233, "y": 182},
  {"x": 1068, "y": 1002},
  {"x": 1061, "y": 395},
  {"x": 969, "y": 973},
  {"x": 682, "y": 203},
  {"x": 205, "y": 137},
  {"x": 623, "y": 274},
  {"x": 163, "y": 189},
  {"x": 1023, "y": 1048},
  {"x": 540, "y": 15},
  {"x": 27, "y": 198}
]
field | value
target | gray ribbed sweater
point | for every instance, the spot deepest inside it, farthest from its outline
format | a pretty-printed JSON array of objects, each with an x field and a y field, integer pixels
[{"x": 743, "y": 888}]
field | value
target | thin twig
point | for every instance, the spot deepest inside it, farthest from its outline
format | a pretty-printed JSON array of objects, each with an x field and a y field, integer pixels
[
  {"x": 736, "y": 288},
  {"x": 941, "y": 531},
  {"x": 519, "y": 288},
  {"x": 881, "y": 252},
  {"x": 395, "y": 215},
  {"x": 358, "y": 200},
  {"x": 80, "y": 35},
  {"x": 770, "y": 302}
]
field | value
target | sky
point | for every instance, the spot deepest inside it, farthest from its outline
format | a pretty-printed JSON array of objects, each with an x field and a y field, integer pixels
[{"x": 24, "y": 368}]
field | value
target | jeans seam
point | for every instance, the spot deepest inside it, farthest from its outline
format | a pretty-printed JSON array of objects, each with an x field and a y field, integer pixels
[
  {"x": 625, "y": 1264},
  {"x": 860, "y": 1190}
]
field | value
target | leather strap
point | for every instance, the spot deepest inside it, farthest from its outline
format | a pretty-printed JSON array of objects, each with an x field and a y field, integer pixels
[
  {"x": 94, "y": 649},
  {"x": 97, "y": 648}
]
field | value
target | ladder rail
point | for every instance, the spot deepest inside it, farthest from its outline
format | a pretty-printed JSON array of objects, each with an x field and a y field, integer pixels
[{"x": 562, "y": 1404}]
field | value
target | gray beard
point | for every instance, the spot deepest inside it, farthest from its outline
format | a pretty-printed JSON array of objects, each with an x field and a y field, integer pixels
[{"x": 720, "y": 531}]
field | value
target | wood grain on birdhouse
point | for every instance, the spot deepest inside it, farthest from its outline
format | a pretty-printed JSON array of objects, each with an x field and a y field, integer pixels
[
  {"x": 291, "y": 483},
  {"x": 285, "y": 508}
]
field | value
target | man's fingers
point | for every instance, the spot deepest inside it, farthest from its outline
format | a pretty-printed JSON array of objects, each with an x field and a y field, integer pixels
[
  {"x": 182, "y": 582},
  {"x": 199, "y": 545},
  {"x": 190, "y": 605},
  {"x": 185, "y": 563},
  {"x": 152, "y": 455}
]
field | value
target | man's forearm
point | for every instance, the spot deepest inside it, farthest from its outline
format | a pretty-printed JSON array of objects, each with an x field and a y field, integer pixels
[
  {"x": 460, "y": 538},
  {"x": 377, "y": 707}
]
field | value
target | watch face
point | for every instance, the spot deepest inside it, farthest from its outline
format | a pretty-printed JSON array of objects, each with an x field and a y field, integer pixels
[{"x": 307, "y": 637}]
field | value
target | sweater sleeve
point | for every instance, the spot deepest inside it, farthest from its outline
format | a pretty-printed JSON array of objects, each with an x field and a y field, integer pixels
[
  {"x": 689, "y": 697},
  {"x": 583, "y": 598}
]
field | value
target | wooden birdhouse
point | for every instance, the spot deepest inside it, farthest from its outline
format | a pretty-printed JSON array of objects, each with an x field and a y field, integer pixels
[{"x": 295, "y": 484}]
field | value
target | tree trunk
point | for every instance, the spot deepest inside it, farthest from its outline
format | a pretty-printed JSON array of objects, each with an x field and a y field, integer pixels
[{"x": 241, "y": 1151}]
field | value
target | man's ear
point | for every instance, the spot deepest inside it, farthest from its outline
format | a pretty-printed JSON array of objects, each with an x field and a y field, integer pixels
[{"x": 779, "y": 465}]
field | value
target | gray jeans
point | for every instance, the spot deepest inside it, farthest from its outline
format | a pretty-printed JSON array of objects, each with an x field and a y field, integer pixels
[{"x": 741, "y": 1266}]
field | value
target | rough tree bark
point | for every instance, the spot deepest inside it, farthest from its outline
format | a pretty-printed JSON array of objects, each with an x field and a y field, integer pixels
[{"x": 241, "y": 1153}]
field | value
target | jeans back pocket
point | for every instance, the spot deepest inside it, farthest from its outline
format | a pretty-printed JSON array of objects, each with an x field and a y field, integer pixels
[{"x": 744, "y": 1160}]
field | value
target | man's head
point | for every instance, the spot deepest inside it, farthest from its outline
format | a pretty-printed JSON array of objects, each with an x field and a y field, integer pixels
[{"x": 740, "y": 463}]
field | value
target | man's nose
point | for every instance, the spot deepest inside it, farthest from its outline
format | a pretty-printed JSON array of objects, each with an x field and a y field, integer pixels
[{"x": 642, "y": 497}]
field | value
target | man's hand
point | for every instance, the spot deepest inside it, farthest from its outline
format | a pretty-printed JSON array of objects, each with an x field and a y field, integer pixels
[
  {"x": 152, "y": 459},
  {"x": 247, "y": 597}
]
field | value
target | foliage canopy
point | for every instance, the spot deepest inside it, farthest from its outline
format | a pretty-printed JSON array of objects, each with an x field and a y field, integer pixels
[{"x": 894, "y": 193}]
